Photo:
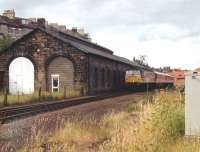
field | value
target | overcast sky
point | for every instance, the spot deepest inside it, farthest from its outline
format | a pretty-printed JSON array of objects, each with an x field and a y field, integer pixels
[{"x": 166, "y": 31}]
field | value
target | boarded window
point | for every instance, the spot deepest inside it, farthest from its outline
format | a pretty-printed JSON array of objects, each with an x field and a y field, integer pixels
[{"x": 65, "y": 69}]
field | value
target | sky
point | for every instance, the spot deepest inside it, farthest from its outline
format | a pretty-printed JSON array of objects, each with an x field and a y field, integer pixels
[{"x": 166, "y": 31}]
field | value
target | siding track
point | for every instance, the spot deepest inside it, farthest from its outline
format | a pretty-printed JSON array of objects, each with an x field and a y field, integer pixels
[{"x": 11, "y": 113}]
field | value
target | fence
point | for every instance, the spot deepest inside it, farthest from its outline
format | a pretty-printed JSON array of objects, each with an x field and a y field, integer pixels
[{"x": 7, "y": 99}]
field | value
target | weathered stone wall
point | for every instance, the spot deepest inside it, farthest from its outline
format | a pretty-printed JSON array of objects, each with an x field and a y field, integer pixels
[
  {"x": 65, "y": 69},
  {"x": 106, "y": 75},
  {"x": 41, "y": 49},
  {"x": 94, "y": 74}
]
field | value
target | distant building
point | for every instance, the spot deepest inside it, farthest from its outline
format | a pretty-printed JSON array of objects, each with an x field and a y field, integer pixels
[
  {"x": 9, "y": 13},
  {"x": 61, "y": 28},
  {"x": 197, "y": 70},
  {"x": 164, "y": 69},
  {"x": 179, "y": 76},
  {"x": 16, "y": 27},
  {"x": 78, "y": 32}
]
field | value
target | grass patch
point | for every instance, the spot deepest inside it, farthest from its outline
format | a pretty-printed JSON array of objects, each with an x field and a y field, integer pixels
[
  {"x": 45, "y": 96},
  {"x": 159, "y": 127}
]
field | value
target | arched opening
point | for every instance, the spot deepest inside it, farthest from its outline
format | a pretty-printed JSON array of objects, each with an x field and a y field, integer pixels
[
  {"x": 60, "y": 74},
  {"x": 21, "y": 76}
]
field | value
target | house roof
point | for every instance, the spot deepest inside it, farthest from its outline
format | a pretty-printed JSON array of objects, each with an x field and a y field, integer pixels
[
  {"x": 70, "y": 35},
  {"x": 82, "y": 47},
  {"x": 16, "y": 22},
  {"x": 91, "y": 50}
]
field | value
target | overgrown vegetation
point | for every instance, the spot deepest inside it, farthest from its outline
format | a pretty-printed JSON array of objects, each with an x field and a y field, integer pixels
[
  {"x": 5, "y": 42},
  {"x": 45, "y": 96},
  {"x": 153, "y": 126}
]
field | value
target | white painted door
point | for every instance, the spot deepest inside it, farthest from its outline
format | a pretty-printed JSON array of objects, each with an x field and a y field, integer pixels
[
  {"x": 55, "y": 82},
  {"x": 21, "y": 76}
]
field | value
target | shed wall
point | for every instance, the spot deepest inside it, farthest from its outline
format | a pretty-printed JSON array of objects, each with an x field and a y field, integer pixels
[
  {"x": 64, "y": 68},
  {"x": 41, "y": 49}
]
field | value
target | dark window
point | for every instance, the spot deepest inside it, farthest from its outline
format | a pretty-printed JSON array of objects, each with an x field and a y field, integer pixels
[
  {"x": 108, "y": 78},
  {"x": 114, "y": 78},
  {"x": 111, "y": 78},
  {"x": 103, "y": 78},
  {"x": 55, "y": 82},
  {"x": 123, "y": 77},
  {"x": 95, "y": 77},
  {"x": 120, "y": 78}
]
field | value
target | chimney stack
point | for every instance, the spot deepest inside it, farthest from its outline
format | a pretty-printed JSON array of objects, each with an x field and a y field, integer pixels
[
  {"x": 74, "y": 29},
  {"x": 41, "y": 22}
]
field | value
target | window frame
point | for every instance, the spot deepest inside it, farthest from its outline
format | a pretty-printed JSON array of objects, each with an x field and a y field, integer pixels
[{"x": 52, "y": 84}]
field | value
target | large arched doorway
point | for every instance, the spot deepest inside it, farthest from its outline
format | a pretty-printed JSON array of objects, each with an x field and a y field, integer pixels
[
  {"x": 60, "y": 74},
  {"x": 21, "y": 76}
]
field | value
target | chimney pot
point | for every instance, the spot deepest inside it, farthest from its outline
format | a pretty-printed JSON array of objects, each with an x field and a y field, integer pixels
[{"x": 41, "y": 22}]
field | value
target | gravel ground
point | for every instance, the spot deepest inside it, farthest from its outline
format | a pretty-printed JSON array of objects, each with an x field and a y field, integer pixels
[{"x": 12, "y": 135}]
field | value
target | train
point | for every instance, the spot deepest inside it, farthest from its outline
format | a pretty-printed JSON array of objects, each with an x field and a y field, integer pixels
[{"x": 138, "y": 79}]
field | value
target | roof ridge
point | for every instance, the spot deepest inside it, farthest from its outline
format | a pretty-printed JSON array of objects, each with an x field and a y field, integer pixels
[
  {"x": 92, "y": 43},
  {"x": 80, "y": 47}
]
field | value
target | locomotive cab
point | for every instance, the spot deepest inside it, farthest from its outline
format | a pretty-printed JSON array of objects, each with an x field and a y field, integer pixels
[{"x": 133, "y": 76}]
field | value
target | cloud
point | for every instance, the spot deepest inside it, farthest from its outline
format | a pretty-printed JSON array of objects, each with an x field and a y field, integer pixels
[{"x": 129, "y": 27}]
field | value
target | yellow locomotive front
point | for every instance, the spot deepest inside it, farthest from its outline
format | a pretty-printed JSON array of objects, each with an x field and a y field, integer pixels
[{"x": 133, "y": 76}]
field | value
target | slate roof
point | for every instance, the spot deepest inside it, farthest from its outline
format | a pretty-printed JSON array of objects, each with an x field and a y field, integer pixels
[
  {"x": 64, "y": 34},
  {"x": 83, "y": 47},
  {"x": 91, "y": 50},
  {"x": 16, "y": 22}
]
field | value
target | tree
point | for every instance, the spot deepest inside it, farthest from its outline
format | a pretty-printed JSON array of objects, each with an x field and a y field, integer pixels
[
  {"x": 143, "y": 59},
  {"x": 5, "y": 42}
]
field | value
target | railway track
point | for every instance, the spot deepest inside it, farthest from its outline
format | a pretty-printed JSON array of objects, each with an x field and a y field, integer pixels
[{"x": 11, "y": 113}]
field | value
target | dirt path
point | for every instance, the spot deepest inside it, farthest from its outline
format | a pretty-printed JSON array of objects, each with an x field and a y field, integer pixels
[{"x": 12, "y": 135}]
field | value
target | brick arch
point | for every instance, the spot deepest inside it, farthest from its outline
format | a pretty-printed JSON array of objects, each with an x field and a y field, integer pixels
[
  {"x": 12, "y": 58},
  {"x": 66, "y": 71},
  {"x": 25, "y": 56},
  {"x": 53, "y": 56},
  {"x": 21, "y": 81}
]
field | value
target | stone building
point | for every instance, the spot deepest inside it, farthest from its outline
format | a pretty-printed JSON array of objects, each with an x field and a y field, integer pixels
[
  {"x": 16, "y": 27},
  {"x": 9, "y": 13},
  {"x": 55, "y": 60}
]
